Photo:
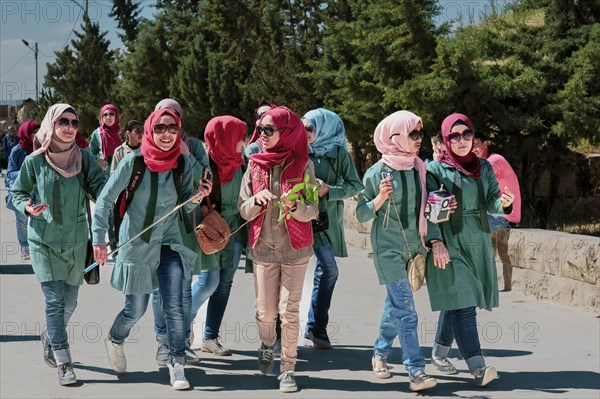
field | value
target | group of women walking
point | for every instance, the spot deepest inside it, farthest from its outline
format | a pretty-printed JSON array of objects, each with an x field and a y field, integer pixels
[{"x": 263, "y": 195}]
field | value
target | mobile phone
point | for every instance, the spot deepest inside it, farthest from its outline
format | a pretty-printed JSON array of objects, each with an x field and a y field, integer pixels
[
  {"x": 385, "y": 175},
  {"x": 36, "y": 207},
  {"x": 207, "y": 175}
]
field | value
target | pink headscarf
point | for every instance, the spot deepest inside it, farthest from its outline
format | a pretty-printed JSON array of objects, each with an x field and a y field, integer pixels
[
  {"x": 26, "y": 135},
  {"x": 109, "y": 135},
  {"x": 469, "y": 164},
  {"x": 64, "y": 158},
  {"x": 395, "y": 153},
  {"x": 156, "y": 159}
]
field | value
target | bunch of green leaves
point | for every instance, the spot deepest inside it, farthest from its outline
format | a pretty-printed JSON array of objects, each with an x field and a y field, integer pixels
[{"x": 303, "y": 192}]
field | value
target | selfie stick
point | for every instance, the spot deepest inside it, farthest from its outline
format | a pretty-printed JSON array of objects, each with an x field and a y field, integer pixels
[{"x": 178, "y": 207}]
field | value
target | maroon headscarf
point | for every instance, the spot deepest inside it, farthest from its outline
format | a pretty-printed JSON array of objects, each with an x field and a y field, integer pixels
[
  {"x": 109, "y": 135},
  {"x": 81, "y": 141},
  {"x": 255, "y": 135},
  {"x": 292, "y": 144},
  {"x": 222, "y": 134},
  {"x": 156, "y": 159},
  {"x": 26, "y": 135},
  {"x": 469, "y": 164}
]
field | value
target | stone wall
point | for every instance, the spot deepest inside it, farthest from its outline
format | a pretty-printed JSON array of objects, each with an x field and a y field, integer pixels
[{"x": 549, "y": 265}]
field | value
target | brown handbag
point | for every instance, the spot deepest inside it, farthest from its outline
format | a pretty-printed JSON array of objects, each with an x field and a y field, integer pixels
[{"x": 213, "y": 232}]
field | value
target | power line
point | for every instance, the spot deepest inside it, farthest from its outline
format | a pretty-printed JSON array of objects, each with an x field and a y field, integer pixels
[{"x": 15, "y": 64}]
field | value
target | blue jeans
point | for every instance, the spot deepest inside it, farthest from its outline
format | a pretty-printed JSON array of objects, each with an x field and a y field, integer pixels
[
  {"x": 61, "y": 301},
  {"x": 21, "y": 229},
  {"x": 171, "y": 285},
  {"x": 462, "y": 325},
  {"x": 217, "y": 286},
  {"x": 400, "y": 319},
  {"x": 326, "y": 275},
  {"x": 160, "y": 324},
  {"x": 497, "y": 222}
]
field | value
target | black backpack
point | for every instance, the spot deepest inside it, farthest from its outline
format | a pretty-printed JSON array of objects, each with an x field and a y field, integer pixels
[{"x": 126, "y": 196}]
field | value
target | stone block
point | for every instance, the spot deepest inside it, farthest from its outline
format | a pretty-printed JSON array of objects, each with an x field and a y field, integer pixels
[{"x": 581, "y": 259}]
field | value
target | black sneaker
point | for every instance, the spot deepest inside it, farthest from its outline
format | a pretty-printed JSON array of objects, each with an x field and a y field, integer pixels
[
  {"x": 265, "y": 358},
  {"x": 319, "y": 338},
  {"x": 66, "y": 375}
]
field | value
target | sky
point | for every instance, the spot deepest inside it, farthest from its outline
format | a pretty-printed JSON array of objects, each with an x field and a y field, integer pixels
[{"x": 51, "y": 23}]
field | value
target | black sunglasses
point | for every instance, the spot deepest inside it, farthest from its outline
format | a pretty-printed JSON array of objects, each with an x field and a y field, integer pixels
[
  {"x": 267, "y": 130},
  {"x": 62, "y": 122},
  {"x": 161, "y": 128},
  {"x": 309, "y": 128},
  {"x": 416, "y": 135},
  {"x": 455, "y": 137},
  {"x": 108, "y": 114}
]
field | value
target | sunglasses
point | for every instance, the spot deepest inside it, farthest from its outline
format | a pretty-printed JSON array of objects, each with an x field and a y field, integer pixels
[
  {"x": 309, "y": 128},
  {"x": 108, "y": 114},
  {"x": 259, "y": 115},
  {"x": 416, "y": 135},
  {"x": 267, "y": 130},
  {"x": 455, "y": 137},
  {"x": 161, "y": 128},
  {"x": 63, "y": 122}
]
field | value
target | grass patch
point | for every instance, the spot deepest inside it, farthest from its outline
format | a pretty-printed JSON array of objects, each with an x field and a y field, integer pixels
[
  {"x": 586, "y": 228},
  {"x": 584, "y": 146}
]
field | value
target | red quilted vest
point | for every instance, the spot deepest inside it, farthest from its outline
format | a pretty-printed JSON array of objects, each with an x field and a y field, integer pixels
[{"x": 299, "y": 233}]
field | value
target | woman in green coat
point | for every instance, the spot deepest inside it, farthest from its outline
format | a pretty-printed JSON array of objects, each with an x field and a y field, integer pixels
[
  {"x": 337, "y": 176},
  {"x": 394, "y": 196},
  {"x": 62, "y": 176},
  {"x": 470, "y": 280},
  {"x": 224, "y": 136}
]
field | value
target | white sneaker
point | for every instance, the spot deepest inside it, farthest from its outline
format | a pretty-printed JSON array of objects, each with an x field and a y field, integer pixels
[
  {"x": 177, "y": 374},
  {"x": 116, "y": 356}
]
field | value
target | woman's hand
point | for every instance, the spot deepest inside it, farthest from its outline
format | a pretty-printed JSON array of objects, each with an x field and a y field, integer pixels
[
  {"x": 100, "y": 253},
  {"x": 263, "y": 197},
  {"x": 204, "y": 190},
  {"x": 440, "y": 254},
  {"x": 507, "y": 197},
  {"x": 453, "y": 205},
  {"x": 34, "y": 210},
  {"x": 287, "y": 203},
  {"x": 385, "y": 188},
  {"x": 324, "y": 187}
]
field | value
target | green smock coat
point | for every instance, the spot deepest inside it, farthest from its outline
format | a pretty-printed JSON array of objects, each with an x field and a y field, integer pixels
[
  {"x": 137, "y": 262},
  {"x": 389, "y": 247},
  {"x": 470, "y": 278},
  {"x": 58, "y": 237},
  {"x": 337, "y": 170},
  {"x": 95, "y": 149}
]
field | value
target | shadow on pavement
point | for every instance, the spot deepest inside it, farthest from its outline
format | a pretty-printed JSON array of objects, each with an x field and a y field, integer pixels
[
  {"x": 16, "y": 269},
  {"x": 19, "y": 338}
]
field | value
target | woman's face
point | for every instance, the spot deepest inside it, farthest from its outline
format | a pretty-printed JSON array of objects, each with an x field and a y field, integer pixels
[
  {"x": 310, "y": 131},
  {"x": 415, "y": 145},
  {"x": 165, "y": 132},
  {"x": 269, "y": 141},
  {"x": 108, "y": 117},
  {"x": 134, "y": 136},
  {"x": 65, "y": 128},
  {"x": 459, "y": 145}
]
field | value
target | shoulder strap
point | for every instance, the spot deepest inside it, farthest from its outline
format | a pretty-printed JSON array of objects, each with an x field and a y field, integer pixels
[
  {"x": 178, "y": 176},
  {"x": 139, "y": 168}
]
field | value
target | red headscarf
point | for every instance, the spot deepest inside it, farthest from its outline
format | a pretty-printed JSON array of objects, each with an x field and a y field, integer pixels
[
  {"x": 81, "y": 141},
  {"x": 156, "y": 159},
  {"x": 26, "y": 135},
  {"x": 292, "y": 144},
  {"x": 222, "y": 134},
  {"x": 469, "y": 164},
  {"x": 109, "y": 135},
  {"x": 255, "y": 135}
]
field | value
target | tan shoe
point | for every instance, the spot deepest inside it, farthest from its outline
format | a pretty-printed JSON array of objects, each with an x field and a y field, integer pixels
[{"x": 380, "y": 372}]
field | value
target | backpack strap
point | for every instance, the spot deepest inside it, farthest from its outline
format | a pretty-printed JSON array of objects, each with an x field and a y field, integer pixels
[{"x": 178, "y": 180}]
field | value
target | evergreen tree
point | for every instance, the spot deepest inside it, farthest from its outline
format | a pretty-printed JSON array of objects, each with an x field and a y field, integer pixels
[
  {"x": 83, "y": 76},
  {"x": 127, "y": 15}
]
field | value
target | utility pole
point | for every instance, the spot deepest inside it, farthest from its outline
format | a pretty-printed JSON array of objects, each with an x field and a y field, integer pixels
[{"x": 35, "y": 53}]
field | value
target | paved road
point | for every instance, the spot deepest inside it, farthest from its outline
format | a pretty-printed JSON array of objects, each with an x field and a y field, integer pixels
[{"x": 540, "y": 349}]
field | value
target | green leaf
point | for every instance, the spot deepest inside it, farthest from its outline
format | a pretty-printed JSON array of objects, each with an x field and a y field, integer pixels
[{"x": 298, "y": 187}]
